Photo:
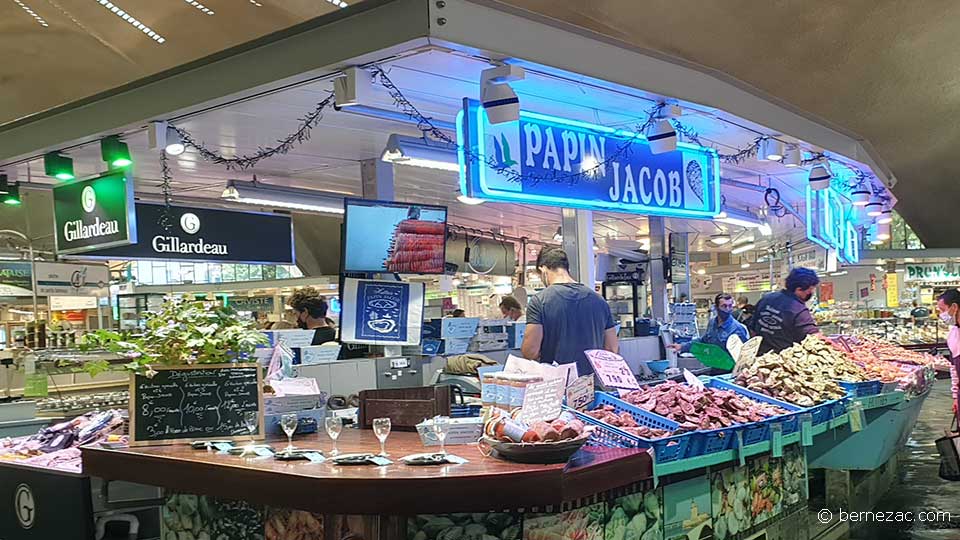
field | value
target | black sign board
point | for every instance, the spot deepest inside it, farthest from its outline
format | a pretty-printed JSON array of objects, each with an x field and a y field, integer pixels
[
  {"x": 629, "y": 277},
  {"x": 38, "y": 503},
  {"x": 94, "y": 214},
  {"x": 189, "y": 403},
  {"x": 203, "y": 234}
]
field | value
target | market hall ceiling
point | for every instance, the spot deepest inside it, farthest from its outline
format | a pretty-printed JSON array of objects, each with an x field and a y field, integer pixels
[{"x": 883, "y": 70}]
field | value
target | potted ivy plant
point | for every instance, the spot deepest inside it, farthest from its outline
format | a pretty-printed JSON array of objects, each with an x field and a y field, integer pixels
[{"x": 182, "y": 332}]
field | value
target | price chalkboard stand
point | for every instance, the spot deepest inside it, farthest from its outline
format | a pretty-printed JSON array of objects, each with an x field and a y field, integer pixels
[{"x": 187, "y": 403}]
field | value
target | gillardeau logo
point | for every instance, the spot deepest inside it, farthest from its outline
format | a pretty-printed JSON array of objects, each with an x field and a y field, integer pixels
[
  {"x": 77, "y": 230},
  {"x": 88, "y": 199},
  {"x": 173, "y": 244},
  {"x": 190, "y": 223},
  {"x": 24, "y": 506}
]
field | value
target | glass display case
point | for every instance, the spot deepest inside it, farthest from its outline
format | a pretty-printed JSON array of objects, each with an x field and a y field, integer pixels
[
  {"x": 132, "y": 309},
  {"x": 624, "y": 293}
]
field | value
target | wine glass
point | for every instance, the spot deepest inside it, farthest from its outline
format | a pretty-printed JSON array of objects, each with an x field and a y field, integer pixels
[
  {"x": 441, "y": 425},
  {"x": 289, "y": 424},
  {"x": 251, "y": 419},
  {"x": 334, "y": 426},
  {"x": 381, "y": 428}
]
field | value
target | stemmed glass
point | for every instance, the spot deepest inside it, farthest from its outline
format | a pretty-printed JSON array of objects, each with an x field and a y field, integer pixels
[
  {"x": 381, "y": 428},
  {"x": 441, "y": 425},
  {"x": 289, "y": 424},
  {"x": 334, "y": 426},
  {"x": 251, "y": 419}
]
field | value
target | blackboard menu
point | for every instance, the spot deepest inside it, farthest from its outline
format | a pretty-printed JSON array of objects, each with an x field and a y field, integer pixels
[{"x": 189, "y": 403}]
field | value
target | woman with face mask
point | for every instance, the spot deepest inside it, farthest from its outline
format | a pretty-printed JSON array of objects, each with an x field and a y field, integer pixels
[
  {"x": 720, "y": 327},
  {"x": 949, "y": 307}
]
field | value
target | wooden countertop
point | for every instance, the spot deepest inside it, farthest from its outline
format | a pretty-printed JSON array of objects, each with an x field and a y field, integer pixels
[{"x": 485, "y": 483}]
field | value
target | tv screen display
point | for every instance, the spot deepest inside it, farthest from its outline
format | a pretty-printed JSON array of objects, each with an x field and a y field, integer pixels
[{"x": 394, "y": 237}]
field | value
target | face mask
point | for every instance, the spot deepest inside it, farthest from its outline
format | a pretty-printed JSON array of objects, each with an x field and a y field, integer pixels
[{"x": 947, "y": 318}]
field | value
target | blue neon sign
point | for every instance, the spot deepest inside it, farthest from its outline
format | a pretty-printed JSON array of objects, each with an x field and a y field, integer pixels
[
  {"x": 682, "y": 183},
  {"x": 829, "y": 224}
]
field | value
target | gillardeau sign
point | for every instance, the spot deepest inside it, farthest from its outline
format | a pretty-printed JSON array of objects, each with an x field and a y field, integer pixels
[
  {"x": 205, "y": 234},
  {"x": 94, "y": 214}
]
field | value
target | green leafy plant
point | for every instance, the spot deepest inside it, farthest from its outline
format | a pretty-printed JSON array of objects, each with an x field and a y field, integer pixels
[{"x": 182, "y": 332}]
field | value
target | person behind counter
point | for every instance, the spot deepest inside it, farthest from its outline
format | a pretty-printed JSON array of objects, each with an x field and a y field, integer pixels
[
  {"x": 720, "y": 327},
  {"x": 782, "y": 318},
  {"x": 511, "y": 308},
  {"x": 948, "y": 309},
  {"x": 567, "y": 318},
  {"x": 311, "y": 311}
]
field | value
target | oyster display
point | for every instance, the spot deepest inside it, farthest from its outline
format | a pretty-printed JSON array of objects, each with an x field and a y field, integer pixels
[{"x": 804, "y": 374}]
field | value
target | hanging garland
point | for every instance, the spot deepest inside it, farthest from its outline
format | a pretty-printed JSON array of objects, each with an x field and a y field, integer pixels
[
  {"x": 165, "y": 220},
  {"x": 284, "y": 145},
  {"x": 429, "y": 132}
]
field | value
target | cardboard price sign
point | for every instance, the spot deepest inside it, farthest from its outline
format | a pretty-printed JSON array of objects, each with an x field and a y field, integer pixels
[
  {"x": 612, "y": 370},
  {"x": 542, "y": 401},
  {"x": 580, "y": 393}
]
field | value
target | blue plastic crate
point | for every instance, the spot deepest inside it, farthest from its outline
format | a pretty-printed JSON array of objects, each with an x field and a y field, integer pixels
[
  {"x": 760, "y": 431},
  {"x": 838, "y": 408},
  {"x": 665, "y": 449},
  {"x": 862, "y": 389}
]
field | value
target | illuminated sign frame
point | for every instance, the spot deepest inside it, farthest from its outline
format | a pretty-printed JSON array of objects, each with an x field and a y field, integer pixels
[
  {"x": 829, "y": 224},
  {"x": 477, "y": 176}
]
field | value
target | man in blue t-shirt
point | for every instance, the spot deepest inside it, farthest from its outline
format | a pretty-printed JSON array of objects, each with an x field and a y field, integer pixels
[{"x": 567, "y": 318}]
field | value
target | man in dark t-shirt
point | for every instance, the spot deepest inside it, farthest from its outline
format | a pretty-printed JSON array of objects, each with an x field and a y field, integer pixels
[
  {"x": 311, "y": 311},
  {"x": 567, "y": 318},
  {"x": 781, "y": 318}
]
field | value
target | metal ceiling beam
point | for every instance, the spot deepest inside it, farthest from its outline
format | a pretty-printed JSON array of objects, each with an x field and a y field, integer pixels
[
  {"x": 517, "y": 36},
  {"x": 367, "y": 31}
]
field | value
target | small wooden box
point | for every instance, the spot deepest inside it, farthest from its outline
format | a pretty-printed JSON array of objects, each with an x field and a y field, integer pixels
[{"x": 405, "y": 407}]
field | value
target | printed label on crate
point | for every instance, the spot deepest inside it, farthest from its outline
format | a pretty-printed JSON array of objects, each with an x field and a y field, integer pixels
[
  {"x": 542, "y": 401},
  {"x": 580, "y": 393},
  {"x": 612, "y": 370}
]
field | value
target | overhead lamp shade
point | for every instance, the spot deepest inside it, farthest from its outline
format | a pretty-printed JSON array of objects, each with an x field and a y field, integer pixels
[
  {"x": 174, "y": 145},
  {"x": 792, "y": 157},
  {"x": 500, "y": 102},
  {"x": 115, "y": 152},
  {"x": 860, "y": 196},
  {"x": 874, "y": 207},
  {"x": 419, "y": 152},
  {"x": 770, "y": 149},
  {"x": 58, "y": 166},
  {"x": 820, "y": 178},
  {"x": 471, "y": 201},
  {"x": 662, "y": 138},
  {"x": 743, "y": 248},
  {"x": 883, "y": 231},
  {"x": 720, "y": 239},
  {"x": 886, "y": 216}
]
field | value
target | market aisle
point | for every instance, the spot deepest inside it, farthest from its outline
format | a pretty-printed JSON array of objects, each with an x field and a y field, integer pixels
[{"x": 920, "y": 488}]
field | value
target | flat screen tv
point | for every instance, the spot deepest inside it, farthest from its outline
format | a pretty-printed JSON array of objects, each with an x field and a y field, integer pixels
[{"x": 403, "y": 238}]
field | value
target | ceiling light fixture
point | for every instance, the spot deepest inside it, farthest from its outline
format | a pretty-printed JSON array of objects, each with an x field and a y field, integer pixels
[
  {"x": 471, "y": 201},
  {"x": 12, "y": 195},
  {"x": 743, "y": 248},
  {"x": 838, "y": 273},
  {"x": 254, "y": 2},
  {"x": 860, "y": 196},
  {"x": 886, "y": 215},
  {"x": 765, "y": 229},
  {"x": 819, "y": 178},
  {"x": 110, "y": 6},
  {"x": 736, "y": 217},
  {"x": 499, "y": 100},
  {"x": 558, "y": 236},
  {"x": 338, "y": 3},
  {"x": 874, "y": 207},
  {"x": 883, "y": 231},
  {"x": 662, "y": 138},
  {"x": 32, "y": 13},
  {"x": 58, "y": 166},
  {"x": 283, "y": 197},
  {"x": 115, "y": 152},
  {"x": 174, "y": 145},
  {"x": 417, "y": 152},
  {"x": 203, "y": 9},
  {"x": 720, "y": 239},
  {"x": 793, "y": 157},
  {"x": 4, "y": 184},
  {"x": 770, "y": 149},
  {"x": 701, "y": 271}
]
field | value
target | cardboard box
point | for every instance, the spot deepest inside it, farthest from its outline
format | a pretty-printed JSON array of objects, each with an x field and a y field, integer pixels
[
  {"x": 461, "y": 431},
  {"x": 292, "y": 395}
]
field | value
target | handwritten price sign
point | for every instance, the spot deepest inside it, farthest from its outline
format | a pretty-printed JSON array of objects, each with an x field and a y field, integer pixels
[{"x": 612, "y": 370}]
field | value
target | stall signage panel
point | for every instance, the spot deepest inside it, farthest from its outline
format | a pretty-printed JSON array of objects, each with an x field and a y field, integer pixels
[
  {"x": 459, "y": 327},
  {"x": 94, "y": 214},
  {"x": 630, "y": 178},
  {"x": 71, "y": 303},
  {"x": 41, "y": 504},
  {"x": 829, "y": 224},
  {"x": 185, "y": 404},
  {"x": 204, "y": 234},
  {"x": 15, "y": 279},
  {"x": 252, "y": 303},
  {"x": 71, "y": 279},
  {"x": 382, "y": 312},
  {"x": 932, "y": 272},
  {"x": 893, "y": 290}
]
